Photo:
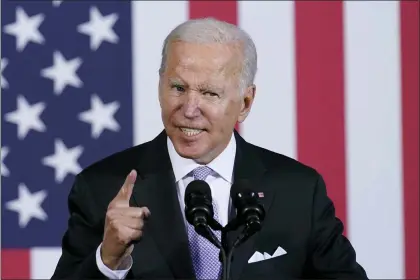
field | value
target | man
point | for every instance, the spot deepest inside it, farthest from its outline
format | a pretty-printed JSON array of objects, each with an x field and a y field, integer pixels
[{"x": 126, "y": 211}]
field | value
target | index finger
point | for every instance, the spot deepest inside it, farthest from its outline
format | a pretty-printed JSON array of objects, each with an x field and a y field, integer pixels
[{"x": 123, "y": 196}]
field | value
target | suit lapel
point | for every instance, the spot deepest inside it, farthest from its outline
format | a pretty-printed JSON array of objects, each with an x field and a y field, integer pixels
[
  {"x": 156, "y": 189},
  {"x": 248, "y": 166}
]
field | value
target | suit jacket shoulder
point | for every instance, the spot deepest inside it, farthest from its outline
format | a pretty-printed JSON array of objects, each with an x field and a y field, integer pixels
[
  {"x": 280, "y": 164},
  {"x": 119, "y": 162}
]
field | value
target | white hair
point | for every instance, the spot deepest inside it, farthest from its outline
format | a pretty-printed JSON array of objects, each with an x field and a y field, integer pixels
[{"x": 210, "y": 30}]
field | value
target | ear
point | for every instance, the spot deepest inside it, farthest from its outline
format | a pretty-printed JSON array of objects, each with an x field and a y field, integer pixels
[
  {"x": 160, "y": 91},
  {"x": 246, "y": 102}
]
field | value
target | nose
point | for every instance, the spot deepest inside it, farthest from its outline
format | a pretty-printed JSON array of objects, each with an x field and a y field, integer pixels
[{"x": 191, "y": 108}]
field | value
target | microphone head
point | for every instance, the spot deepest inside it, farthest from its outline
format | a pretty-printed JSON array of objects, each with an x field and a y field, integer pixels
[
  {"x": 197, "y": 187},
  {"x": 241, "y": 192},
  {"x": 198, "y": 202},
  {"x": 246, "y": 201}
]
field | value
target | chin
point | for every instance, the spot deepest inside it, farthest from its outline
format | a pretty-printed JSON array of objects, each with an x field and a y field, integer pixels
[
  {"x": 198, "y": 153},
  {"x": 189, "y": 151}
]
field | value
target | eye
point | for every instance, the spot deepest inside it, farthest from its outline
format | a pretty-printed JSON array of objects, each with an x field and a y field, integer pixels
[
  {"x": 178, "y": 88},
  {"x": 212, "y": 94}
]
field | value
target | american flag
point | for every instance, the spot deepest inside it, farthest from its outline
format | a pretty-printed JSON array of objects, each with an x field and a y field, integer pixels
[{"x": 337, "y": 88}]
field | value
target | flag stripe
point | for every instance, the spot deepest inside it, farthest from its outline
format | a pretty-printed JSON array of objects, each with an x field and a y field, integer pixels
[
  {"x": 222, "y": 10},
  {"x": 41, "y": 269},
  {"x": 409, "y": 14},
  {"x": 15, "y": 264},
  {"x": 272, "y": 121},
  {"x": 374, "y": 182},
  {"x": 320, "y": 104},
  {"x": 163, "y": 16}
]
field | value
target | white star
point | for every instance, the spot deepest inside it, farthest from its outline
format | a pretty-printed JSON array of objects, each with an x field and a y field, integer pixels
[
  {"x": 4, "y": 171},
  {"x": 25, "y": 29},
  {"x": 100, "y": 116},
  {"x": 57, "y": 3},
  {"x": 26, "y": 117},
  {"x": 99, "y": 28},
  {"x": 63, "y": 72},
  {"x": 63, "y": 160},
  {"x": 4, "y": 83},
  {"x": 28, "y": 205}
]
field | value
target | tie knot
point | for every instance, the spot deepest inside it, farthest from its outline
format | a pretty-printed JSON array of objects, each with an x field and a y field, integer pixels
[{"x": 201, "y": 173}]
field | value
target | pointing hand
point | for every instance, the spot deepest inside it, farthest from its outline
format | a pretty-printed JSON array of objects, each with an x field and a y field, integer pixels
[{"x": 123, "y": 224}]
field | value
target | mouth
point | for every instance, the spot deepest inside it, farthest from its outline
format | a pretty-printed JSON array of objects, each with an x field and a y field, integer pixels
[{"x": 190, "y": 132}]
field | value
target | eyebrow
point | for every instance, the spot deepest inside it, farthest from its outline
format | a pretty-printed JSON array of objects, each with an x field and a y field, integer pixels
[
  {"x": 176, "y": 81},
  {"x": 202, "y": 87},
  {"x": 207, "y": 86}
]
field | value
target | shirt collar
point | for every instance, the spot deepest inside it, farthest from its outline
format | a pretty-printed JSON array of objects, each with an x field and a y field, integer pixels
[{"x": 222, "y": 164}]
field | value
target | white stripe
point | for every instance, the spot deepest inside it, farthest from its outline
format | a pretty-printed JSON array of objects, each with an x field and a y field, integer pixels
[
  {"x": 152, "y": 21},
  {"x": 43, "y": 261},
  {"x": 372, "y": 75},
  {"x": 271, "y": 123}
]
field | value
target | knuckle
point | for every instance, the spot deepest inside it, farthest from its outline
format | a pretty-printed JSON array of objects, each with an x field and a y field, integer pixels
[
  {"x": 110, "y": 214},
  {"x": 113, "y": 224},
  {"x": 139, "y": 213},
  {"x": 111, "y": 205},
  {"x": 135, "y": 234}
]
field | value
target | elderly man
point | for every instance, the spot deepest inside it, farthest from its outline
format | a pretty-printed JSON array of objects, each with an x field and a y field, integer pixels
[{"x": 127, "y": 211}]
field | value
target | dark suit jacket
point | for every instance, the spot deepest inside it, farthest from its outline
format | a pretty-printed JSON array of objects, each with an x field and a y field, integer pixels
[{"x": 300, "y": 218}]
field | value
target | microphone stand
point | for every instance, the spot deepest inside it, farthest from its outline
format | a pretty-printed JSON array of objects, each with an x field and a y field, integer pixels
[
  {"x": 205, "y": 230},
  {"x": 246, "y": 233},
  {"x": 225, "y": 255},
  {"x": 233, "y": 225}
]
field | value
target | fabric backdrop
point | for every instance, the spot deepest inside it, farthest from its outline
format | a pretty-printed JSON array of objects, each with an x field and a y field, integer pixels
[{"x": 337, "y": 88}]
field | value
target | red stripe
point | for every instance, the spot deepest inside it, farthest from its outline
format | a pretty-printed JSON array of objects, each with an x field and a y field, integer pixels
[
  {"x": 15, "y": 264},
  {"x": 410, "y": 132},
  {"x": 320, "y": 94},
  {"x": 222, "y": 10}
]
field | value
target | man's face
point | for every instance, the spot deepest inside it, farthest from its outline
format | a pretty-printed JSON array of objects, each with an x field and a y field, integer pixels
[{"x": 200, "y": 99}]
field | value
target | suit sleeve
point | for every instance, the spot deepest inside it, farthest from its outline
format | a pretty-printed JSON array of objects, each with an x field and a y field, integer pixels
[
  {"x": 82, "y": 237},
  {"x": 332, "y": 255}
]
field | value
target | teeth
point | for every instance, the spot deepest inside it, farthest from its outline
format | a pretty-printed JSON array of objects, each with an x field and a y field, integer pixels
[{"x": 191, "y": 131}]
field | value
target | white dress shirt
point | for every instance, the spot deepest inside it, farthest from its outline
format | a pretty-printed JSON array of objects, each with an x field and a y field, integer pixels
[{"x": 219, "y": 183}]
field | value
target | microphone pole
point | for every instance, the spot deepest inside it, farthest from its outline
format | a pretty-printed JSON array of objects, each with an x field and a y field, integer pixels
[
  {"x": 245, "y": 234},
  {"x": 222, "y": 245},
  {"x": 206, "y": 232}
]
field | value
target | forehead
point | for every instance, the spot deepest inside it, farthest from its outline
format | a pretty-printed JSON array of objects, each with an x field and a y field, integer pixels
[{"x": 209, "y": 61}]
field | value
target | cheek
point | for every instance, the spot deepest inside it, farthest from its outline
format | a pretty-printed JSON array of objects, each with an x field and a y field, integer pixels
[
  {"x": 220, "y": 117},
  {"x": 169, "y": 104},
  {"x": 232, "y": 111}
]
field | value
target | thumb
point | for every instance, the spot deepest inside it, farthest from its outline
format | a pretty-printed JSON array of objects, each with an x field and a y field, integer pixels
[{"x": 126, "y": 190}]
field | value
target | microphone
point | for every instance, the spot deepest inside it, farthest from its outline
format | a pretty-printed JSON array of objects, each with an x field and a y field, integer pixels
[
  {"x": 249, "y": 211},
  {"x": 198, "y": 205},
  {"x": 199, "y": 213}
]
